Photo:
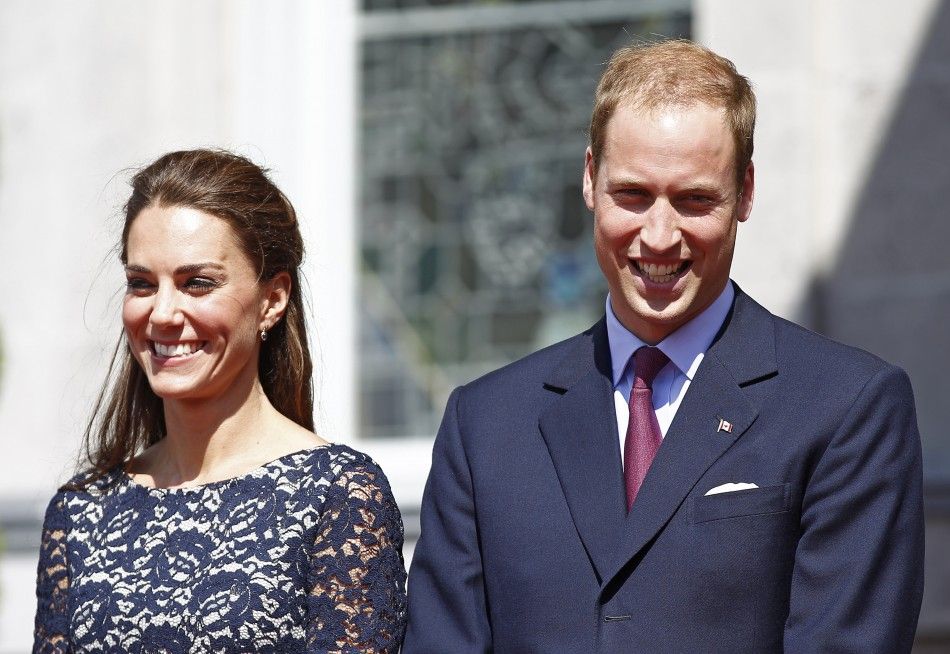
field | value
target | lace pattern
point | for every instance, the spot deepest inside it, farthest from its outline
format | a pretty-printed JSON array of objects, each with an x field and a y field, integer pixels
[
  {"x": 351, "y": 565},
  {"x": 53, "y": 581},
  {"x": 301, "y": 555}
]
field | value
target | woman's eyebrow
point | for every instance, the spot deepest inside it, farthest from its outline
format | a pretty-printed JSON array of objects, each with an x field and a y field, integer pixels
[
  {"x": 180, "y": 270},
  {"x": 196, "y": 267}
]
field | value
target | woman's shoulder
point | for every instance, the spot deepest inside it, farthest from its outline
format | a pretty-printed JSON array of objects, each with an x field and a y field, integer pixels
[
  {"x": 360, "y": 491},
  {"x": 325, "y": 482},
  {"x": 82, "y": 491},
  {"x": 90, "y": 483},
  {"x": 333, "y": 460},
  {"x": 336, "y": 471}
]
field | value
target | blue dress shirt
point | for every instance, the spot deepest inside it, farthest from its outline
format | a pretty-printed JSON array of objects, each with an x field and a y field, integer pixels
[{"x": 685, "y": 348}]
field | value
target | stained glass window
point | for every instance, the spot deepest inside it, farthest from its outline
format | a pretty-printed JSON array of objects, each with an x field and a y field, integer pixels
[{"x": 475, "y": 244}]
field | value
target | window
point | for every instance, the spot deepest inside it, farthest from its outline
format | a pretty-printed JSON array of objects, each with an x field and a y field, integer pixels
[{"x": 475, "y": 246}]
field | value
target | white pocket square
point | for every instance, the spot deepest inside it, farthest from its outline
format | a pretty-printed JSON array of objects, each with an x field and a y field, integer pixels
[{"x": 729, "y": 488}]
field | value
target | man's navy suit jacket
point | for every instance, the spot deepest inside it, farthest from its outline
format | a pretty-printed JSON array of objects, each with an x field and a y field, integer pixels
[{"x": 527, "y": 546}]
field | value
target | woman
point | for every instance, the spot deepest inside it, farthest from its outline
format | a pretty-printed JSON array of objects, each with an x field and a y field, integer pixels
[{"x": 210, "y": 517}]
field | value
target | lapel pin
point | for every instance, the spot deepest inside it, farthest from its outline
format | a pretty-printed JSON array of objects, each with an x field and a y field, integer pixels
[{"x": 725, "y": 425}]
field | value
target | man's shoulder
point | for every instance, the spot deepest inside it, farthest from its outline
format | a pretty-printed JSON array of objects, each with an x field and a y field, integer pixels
[
  {"x": 533, "y": 370},
  {"x": 800, "y": 348},
  {"x": 804, "y": 344}
]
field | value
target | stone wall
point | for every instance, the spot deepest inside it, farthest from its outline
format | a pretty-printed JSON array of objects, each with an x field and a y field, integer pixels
[{"x": 849, "y": 230}]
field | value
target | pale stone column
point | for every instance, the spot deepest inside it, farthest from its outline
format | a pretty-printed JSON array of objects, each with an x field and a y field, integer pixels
[
  {"x": 91, "y": 90},
  {"x": 827, "y": 75}
]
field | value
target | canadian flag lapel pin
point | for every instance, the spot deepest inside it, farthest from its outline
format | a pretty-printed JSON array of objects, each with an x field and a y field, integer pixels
[{"x": 724, "y": 425}]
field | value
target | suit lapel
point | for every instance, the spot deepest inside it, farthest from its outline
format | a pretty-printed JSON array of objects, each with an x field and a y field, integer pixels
[
  {"x": 580, "y": 430},
  {"x": 743, "y": 353}
]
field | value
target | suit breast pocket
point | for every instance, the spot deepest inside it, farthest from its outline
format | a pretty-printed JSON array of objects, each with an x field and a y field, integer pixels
[{"x": 754, "y": 501}]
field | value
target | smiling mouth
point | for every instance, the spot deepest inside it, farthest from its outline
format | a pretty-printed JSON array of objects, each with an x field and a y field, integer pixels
[
  {"x": 660, "y": 273},
  {"x": 175, "y": 350}
]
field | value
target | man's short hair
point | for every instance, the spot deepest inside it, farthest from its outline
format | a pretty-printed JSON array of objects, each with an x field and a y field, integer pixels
[{"x": 675, "y": 73}]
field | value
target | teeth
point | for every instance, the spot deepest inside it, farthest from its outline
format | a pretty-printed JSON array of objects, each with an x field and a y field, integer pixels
[
  {"x": 658, "y": 270},
  {"x": 181, "y": 349},
  {"x": 660, "y": 273}
]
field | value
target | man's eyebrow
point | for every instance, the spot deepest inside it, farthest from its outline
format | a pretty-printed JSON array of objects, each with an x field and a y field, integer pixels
[
  {"x": 180, "y": 270},
  {"x": 709, "y": 189},
  {"x": 625, "y": 181}
]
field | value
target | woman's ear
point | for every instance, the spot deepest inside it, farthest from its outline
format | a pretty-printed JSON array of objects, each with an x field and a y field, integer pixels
[{"x": 275, "y": 298}]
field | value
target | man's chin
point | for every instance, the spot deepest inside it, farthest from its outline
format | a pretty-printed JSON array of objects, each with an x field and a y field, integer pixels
[{"x": 659, "y": 309}]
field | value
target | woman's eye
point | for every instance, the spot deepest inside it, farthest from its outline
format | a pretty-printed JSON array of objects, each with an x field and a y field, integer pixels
[
  {"x": 200, "y": 284},
  {"x": 137, "y": 284}
]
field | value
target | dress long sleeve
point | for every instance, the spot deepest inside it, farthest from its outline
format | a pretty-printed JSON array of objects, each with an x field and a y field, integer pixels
[
  {"x": 357, "y": 583},
  {"x": 50, "y": 635},
  {"x": 302, "y": 554}
]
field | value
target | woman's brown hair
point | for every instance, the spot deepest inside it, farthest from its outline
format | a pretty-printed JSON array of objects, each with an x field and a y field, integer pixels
[{"x": 128, "y": 416}]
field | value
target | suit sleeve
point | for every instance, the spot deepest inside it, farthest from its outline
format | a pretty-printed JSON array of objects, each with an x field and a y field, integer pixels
[
  {"x": 447, "y": 604},
  {"x": 858, "y": 574}
]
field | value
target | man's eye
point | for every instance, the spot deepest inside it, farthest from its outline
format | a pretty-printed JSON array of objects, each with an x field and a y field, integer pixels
[
  {"x": 697, "y": 202},
  {"x": 631, "y": 195}
]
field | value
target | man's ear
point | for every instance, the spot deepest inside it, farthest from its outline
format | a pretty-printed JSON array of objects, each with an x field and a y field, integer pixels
[
  {"x": 276, "y": 296},
  {"x": 748, "y": 194},
  {"x": 589, "y": 179}
]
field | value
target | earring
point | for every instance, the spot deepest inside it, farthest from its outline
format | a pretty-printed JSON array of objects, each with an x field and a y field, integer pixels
[{"x": 263, "y": 335}]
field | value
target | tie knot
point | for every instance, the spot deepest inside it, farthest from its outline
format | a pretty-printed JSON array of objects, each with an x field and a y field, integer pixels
[{"x": 647, "y": 363}]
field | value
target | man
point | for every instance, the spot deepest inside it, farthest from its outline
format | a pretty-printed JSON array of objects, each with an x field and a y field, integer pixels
[{"x": 743, "y": 485}]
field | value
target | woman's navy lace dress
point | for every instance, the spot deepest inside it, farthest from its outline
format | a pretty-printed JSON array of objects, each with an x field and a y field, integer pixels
[{"x": 304, "y": 554}]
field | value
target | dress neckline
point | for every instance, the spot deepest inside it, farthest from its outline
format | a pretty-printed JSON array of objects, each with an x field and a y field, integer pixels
[{"x": 218, "y": 483}]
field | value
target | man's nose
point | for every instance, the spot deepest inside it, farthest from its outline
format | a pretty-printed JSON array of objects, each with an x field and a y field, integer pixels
[
  {"x": 166, "y": 309},
  {"x": 661, "y": 227}
]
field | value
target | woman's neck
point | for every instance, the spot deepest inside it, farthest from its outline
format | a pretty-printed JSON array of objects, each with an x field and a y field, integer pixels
[
  {"x": 200, "y": 434},
  {"x": 211, "y": 439}
]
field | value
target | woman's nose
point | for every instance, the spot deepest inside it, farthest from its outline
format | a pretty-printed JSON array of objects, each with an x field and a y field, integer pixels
[{"x": 166, "y": 310}]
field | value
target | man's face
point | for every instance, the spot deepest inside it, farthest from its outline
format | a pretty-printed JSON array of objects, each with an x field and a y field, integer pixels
[{"x": 665, "y": 209}]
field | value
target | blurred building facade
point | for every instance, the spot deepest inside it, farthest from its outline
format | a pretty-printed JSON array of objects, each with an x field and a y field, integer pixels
[{"x": 434, "y": 151}]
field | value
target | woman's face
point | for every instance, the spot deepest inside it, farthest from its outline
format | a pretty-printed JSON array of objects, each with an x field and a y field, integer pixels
[{"x": 193, "y": 306}]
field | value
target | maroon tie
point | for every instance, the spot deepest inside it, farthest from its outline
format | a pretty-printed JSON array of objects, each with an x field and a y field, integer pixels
[{"x": 643, "y": 431}]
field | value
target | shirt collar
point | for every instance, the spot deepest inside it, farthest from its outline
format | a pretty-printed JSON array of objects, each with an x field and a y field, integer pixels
[{"x": 685, "y": 347}]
